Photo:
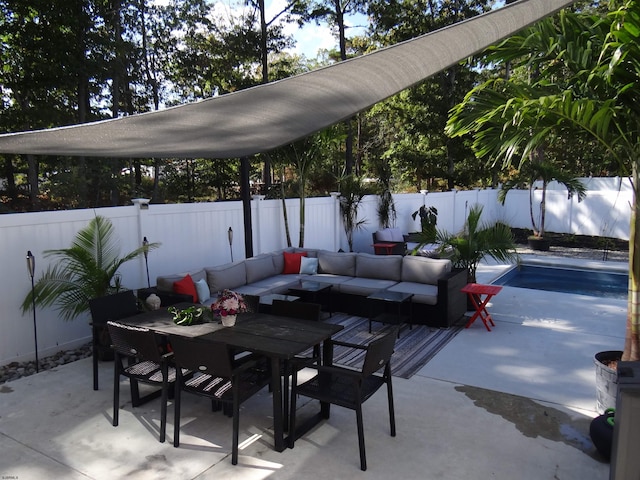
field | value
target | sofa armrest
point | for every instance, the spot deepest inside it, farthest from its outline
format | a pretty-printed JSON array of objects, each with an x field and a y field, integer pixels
[{"x": 451, "y": 301}]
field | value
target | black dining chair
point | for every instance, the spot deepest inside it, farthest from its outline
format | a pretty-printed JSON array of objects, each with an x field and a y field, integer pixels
[
  {"x": 218, "y": 377},
  {"x": 110, "y": 307},
  {"x": 348, "y": 387},
  {"x": 146, "y": 363}
]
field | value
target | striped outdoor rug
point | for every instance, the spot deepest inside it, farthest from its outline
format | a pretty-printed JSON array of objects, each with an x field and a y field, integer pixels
[{"x": 413, "y": 350}]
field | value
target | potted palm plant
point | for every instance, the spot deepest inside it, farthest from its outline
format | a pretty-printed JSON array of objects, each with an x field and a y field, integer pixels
[
  {"x": 86, "y": 270},
  {"x": 476, "y": 241},
  {"x": 544, "y": 172}
]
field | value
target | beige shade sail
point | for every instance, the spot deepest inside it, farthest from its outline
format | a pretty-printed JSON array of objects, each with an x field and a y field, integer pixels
[{"x": 265, "y": 117}]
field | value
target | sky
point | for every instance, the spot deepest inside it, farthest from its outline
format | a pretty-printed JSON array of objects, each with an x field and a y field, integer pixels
[{"x": 312, "y": 37}]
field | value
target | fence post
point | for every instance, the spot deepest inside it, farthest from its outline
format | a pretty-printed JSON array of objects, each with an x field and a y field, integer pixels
[
  {"x": 258, "y": 223},
  {"x": 142, "y": 211},
  {"x": 337, "y": 220}
]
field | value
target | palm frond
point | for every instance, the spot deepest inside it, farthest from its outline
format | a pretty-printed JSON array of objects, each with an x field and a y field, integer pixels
[{"x": 81, "y": 272}]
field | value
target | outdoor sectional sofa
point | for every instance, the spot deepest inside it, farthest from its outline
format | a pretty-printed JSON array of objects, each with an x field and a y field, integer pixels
[{"x": 437, "y": 299}]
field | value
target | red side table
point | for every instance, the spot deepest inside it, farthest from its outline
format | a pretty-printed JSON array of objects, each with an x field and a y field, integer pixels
[
  {"x": 381, "y": 247},
  {"x": 475, "y": 292}
]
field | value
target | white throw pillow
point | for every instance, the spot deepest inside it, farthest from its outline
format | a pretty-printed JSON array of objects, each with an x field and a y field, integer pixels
[
  {"x": 202, "y": 288},
  {"x": 309, "y": 265}
]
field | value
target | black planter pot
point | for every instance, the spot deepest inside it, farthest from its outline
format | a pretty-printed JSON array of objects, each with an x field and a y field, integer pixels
[
  {"x": 540, "y": 244},
  {"x": 606, "y": 380}
]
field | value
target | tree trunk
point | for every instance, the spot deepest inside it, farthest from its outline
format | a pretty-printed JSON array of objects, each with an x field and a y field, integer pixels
[
  {"x": 10, "y": 175},
  {"x": 631, "y": 351},
  {"x": 32, "y": 176}
]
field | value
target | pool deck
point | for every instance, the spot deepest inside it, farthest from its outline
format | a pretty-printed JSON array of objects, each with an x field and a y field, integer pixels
[{"x": 515, "y": 402}]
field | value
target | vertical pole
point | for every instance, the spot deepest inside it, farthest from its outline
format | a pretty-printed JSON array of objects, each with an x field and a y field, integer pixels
[
  {"x": 145, "y": 245},
  {"x": 337, "y": 222},
  {"x": 246, "y": 206},
  {"x": 31, "y": 267}
]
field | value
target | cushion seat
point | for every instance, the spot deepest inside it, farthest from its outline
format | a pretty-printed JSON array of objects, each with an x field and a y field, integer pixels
[
  {"x": 364, "y": 286},
  {"x": 328, "y": 278},
  {"x": 422, "y": 293}
]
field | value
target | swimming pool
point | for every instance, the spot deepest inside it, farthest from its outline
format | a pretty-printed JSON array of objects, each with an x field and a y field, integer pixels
[{"x": 596, "y": 283}]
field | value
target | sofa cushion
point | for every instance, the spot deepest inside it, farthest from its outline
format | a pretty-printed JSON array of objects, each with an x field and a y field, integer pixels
[
  {"x": 389, "y": 235},
  {"x": 275, "y": 284},
  {"x": 422, "y": 292},
  {"x": 278, "y": 259},
  {"x": 164, "y": 283},
  {"x": 386, "y": 267},
  {"x": 292, "y": 262},
  {"x": 330, "y": 279},
  {"x": 338, "y": 263},
  {"x": 186, "y": 286},
  {"x": 259, "y": 267},
  {"x": 202, "y": 287},
  {"x": 308, "y": 266},
  {"x": 423, "y": 269},
  {"x": 364, "y": 286},
  {"x": 229, "y": 275},
  {"x": 311, "y": 252}
]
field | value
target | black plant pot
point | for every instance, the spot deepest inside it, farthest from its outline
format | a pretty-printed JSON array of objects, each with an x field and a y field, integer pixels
[{"x": 539, "y": 244}]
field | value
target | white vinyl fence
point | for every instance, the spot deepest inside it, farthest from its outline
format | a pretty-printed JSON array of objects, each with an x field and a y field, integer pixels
[{"x": 195, "y": 235}]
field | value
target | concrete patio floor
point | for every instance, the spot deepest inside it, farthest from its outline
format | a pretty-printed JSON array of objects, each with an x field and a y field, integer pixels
[{"x": 513, "y": 403}]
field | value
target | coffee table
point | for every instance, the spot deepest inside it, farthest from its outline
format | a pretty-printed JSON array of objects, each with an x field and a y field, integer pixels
[
  {"x": 397, "y": 298},
  {"x": 313, "y": 291},
  {"x": 265, "y": 301}
]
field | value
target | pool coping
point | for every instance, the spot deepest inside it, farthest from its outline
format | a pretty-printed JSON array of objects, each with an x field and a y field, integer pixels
[{"x": 580, "y": 263}]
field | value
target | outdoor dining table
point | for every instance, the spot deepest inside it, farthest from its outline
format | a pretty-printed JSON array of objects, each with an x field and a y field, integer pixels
[{"x": 278, "y": 338}]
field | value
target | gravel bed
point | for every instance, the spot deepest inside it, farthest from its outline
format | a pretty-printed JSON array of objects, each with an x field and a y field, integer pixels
[{"x": 15, "y": 370}]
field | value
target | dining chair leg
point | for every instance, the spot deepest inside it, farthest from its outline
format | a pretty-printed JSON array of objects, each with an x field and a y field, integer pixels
[
  {"x": 116, "y": 389},
  {"x": 292, "y": 409},
  {"x": 236, "y": 427},
  {"x": 392, "y": 415},
  {"x": 94, "y": 354},
  {"x": 176, "y": 412},
  {"x": 363, "y": 458},
  {"x": 285, "y": 397},
  {"x": 163, "y": 405}
]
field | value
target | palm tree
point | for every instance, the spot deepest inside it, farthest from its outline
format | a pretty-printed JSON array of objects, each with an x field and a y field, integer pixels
[
  {"x": 599, "y": 98},
  {"x": 352, "y": 192},
  {"x": 82, "y": 272},
  {"x": 477, "y": 241},
  {"x": 545, "y": 172}
]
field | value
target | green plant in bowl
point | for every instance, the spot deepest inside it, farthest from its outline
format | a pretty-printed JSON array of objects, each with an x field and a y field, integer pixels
[{"x": 189, "y": 316}]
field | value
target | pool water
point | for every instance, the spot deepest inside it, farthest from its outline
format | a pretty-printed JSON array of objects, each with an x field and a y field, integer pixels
[{"x": 597, "y": 283}]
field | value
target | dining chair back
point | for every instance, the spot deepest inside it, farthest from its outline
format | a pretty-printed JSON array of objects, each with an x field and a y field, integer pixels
[
  {"x": 218, "y": 376},
  {"x": 110, "y": 307},
  {"x": 252, "y": 302},
  {"x": 348, "y": 387},
  {"x": 146, "y": 363}
]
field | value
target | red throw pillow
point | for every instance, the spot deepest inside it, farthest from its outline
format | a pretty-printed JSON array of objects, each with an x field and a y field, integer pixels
[
  {"x": 187, "y": 287},
  {"x": 292, "y": 262}
]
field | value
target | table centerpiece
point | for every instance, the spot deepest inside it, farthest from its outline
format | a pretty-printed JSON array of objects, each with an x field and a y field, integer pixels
[{"x": 227, "y": 307}]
